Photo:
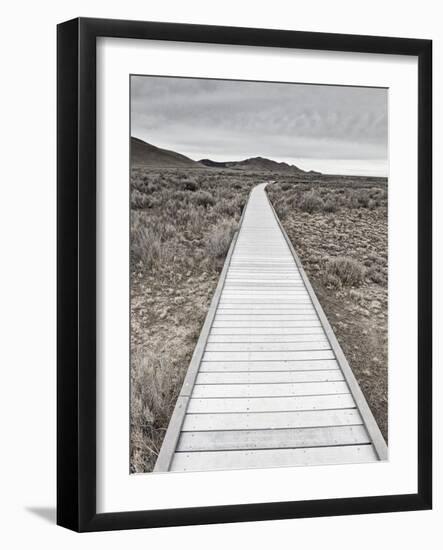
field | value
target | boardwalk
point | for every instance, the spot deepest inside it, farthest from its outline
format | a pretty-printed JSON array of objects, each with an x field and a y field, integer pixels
[{"x": 268, "y": 384}]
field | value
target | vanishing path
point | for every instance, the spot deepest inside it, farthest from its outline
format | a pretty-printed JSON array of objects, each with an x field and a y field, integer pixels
[{"x": 268, "y": 384}]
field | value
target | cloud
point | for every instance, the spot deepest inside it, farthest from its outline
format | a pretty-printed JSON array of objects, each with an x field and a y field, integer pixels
[{"x": 225, "y": 119}]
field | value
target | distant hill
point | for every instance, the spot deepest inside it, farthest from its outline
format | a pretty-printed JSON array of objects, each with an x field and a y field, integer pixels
[
  {"x": 145, "y": 154},
  {"x": 255, "y": 163}
]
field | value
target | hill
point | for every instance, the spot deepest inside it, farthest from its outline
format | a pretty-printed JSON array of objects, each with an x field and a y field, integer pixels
[
  {"x": 145, "y": 154},
  {"x": 255, "y": 163}
]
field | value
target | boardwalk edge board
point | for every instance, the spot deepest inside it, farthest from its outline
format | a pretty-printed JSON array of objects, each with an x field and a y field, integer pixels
[{"x": 354, "y": 387}]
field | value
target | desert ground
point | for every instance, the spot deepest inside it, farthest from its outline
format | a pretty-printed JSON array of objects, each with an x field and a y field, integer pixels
[{"x": 182, "y": 222}]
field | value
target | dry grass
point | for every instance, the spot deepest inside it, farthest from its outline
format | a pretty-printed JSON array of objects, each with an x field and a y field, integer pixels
[
  {"x": 346, "y": 271},
  {"x": 155, "y": 383},
  {"x": 220, "y": 237},
  {"x": 311, "y": 202}
]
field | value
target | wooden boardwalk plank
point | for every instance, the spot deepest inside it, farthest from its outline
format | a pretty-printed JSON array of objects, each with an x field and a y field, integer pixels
[
  {"x": 268, "y": 346},
  {"x": 269, "y": 377},
  {"x": 275, "y": 458},
  {"x": 272, "y": 439},
  {"x": 267, "y": 355},
  {"x": 260, "y": 291},
  {"x": 267, "y": 366},
  {"x": 282, "y": 323},
  {"x": 282, "y": 338},
  {"x": 272, "y": 404},
  {"x": 252, "y": 295},
  {"x": 271, "y": 420},
  {"x": 228, "y": 306},
  {"x": 265, "y": 317},
  {"x": 267, "y": 330},
  {"x": 268, "y": 390}
]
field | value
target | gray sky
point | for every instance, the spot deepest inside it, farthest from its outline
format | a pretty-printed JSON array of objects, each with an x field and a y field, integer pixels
[{"x": 334, "y": 129}]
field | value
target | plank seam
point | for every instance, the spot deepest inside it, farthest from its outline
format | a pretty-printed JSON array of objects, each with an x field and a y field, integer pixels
[
  {"x": 291, "y": 447},
  {"x": 278, "y": 412},
  {"x": 278, "y": 396},
  {"x": 276, "y": 429}
]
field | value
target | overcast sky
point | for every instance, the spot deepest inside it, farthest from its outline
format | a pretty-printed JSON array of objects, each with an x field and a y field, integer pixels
[{"x": 334, "y": 129}]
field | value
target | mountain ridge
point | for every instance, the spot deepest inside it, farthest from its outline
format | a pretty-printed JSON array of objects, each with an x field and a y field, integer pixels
[
  {"x": 255, "y": 163},
  {"x": 146, "y": 154}
]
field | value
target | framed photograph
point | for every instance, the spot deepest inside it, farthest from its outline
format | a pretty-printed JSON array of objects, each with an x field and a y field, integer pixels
[{"x": 244, "y": 274}]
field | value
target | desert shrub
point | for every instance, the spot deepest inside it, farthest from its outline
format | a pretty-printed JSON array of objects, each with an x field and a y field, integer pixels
[
  {"x": 168, "y": 231},
  {"x": 194, "y": 220},
  {"x": 190, "y": 184},
  {"x": 220, "y": 237},
  {"x": 363, "y": 198},
  {"x": 377, "y": 258},
  {"x": 203, "y": 198},
  {"x": 311, "y": 202},
  {"x": 282, "y": 209},
  {"x": 178, "y": 197},
  {"x": 155, "y": 385},
  {"x": 331, "y": 281},
  {"x": 139, "y": 200},
  {"x": 146, "y": 244},
  {"x": 330, "y": 205},
  {"x": 359, "y": 198},
  {"x": 378, "y": 195},
  {"x": 375, "y": 275},
  {"x": 227, "y": 208},
  {"x": 347, "y": 270},
  {"x": 357, "y": 295}
]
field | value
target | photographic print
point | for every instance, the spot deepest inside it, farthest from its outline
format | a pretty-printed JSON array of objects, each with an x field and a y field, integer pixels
[{"x": 259, "y": 274}]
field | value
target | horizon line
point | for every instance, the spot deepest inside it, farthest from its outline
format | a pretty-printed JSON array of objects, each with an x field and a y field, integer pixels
[{"x": 198, "y": 158}]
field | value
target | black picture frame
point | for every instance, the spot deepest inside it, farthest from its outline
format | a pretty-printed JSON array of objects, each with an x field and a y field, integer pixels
[{"x": 76, "y": 279}]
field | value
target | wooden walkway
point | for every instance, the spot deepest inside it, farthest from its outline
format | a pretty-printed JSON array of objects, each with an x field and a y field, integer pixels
[{"x": 268, "y": 384}]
